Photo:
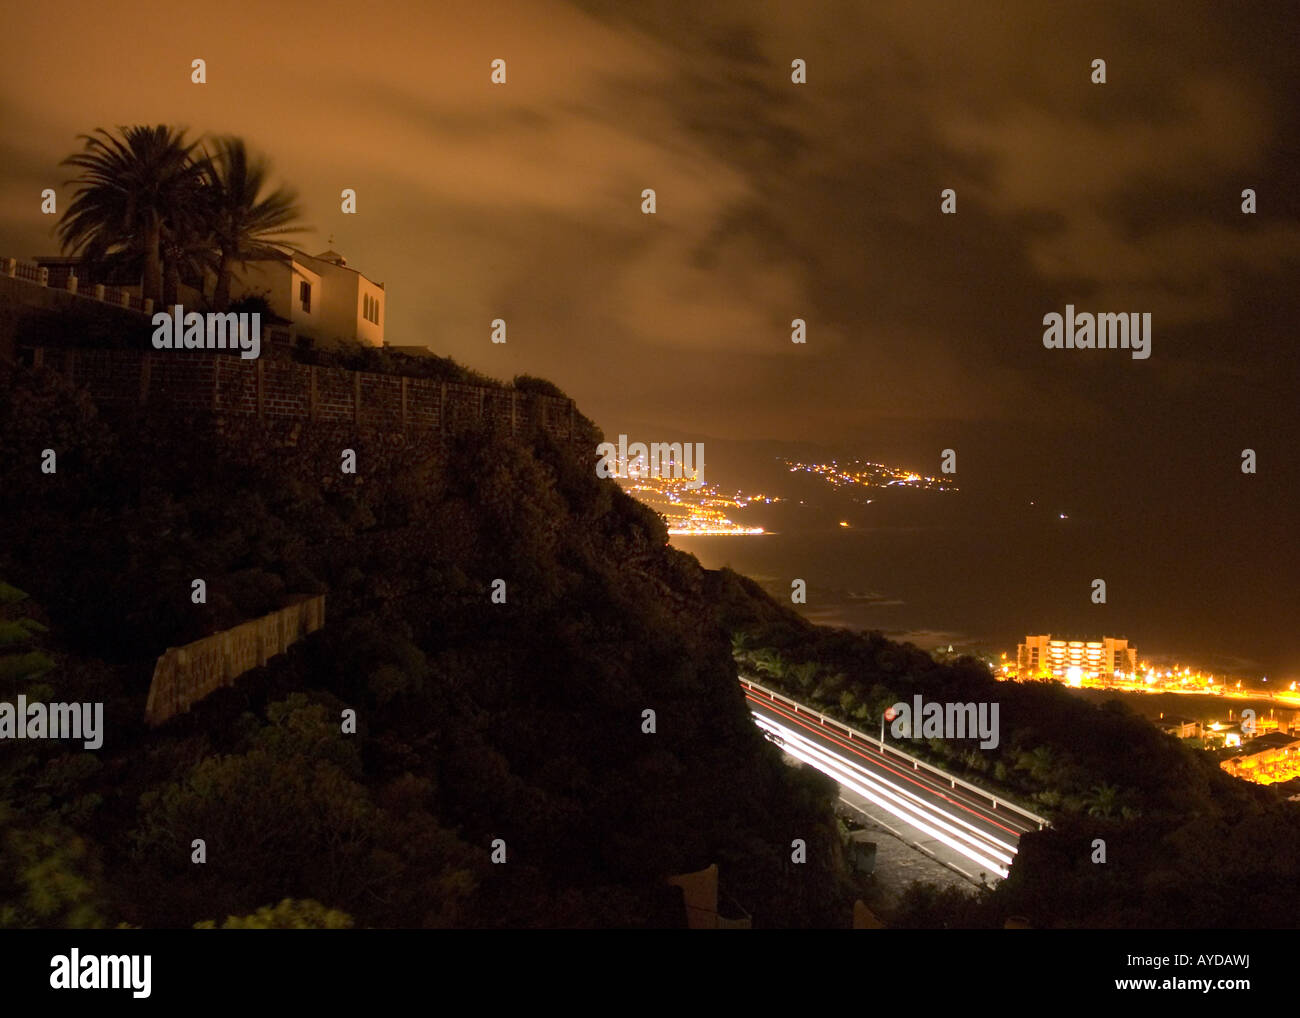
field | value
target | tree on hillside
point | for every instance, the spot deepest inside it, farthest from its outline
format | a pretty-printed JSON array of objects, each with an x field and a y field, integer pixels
[
  {"x": 244, "y": 221},
  {"x": 1105, "y": 801},
  {"x": 770, "y": 662},
  {"x": 288, "y": 915},
  {"x": 130, "y": 187},
  {"x": 803, "y": 674},
  {"x": 1040, "y": 763},
  {"x": 21, "y": 660}
]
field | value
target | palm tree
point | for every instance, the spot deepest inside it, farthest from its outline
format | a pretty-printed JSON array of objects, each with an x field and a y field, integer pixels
[
  {"x": 740, "y": 641},
  {"x": 1041, "y": 763},
  {"x": 188, "y": 241},
  {"x": 129, "y": 188},
  {"x": 803, "y": 674},
  {"x": 244, "y": 222},
  {"x": 769, "y": 661},
  {"x": 1105, "y": 801}
]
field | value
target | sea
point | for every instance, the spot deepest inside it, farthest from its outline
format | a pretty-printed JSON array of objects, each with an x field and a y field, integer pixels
[{"x": 979, "y": 573}]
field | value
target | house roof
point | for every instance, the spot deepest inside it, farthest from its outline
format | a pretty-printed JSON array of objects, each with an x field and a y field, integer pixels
[
  {"x": 330, "y": 257},
  {"x": 1273, "y": 740}
]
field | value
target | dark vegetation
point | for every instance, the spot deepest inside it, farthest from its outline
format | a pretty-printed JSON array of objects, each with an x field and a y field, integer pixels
[
  {"x": 476, "y": 721},
  {"x": 518, "y": 721},
  {"x": 355, "y": 355}
]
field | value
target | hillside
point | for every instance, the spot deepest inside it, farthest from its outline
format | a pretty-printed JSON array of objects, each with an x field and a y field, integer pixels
[
  {"x": 476, "y": 720},
  {"x": 479, "y": 720}
]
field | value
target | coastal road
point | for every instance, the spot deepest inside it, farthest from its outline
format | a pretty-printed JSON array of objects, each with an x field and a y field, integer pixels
[{"x": 967, "y": 831}]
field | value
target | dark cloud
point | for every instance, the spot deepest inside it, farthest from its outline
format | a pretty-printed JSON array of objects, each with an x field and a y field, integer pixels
[{"x": 775, "y": 201}]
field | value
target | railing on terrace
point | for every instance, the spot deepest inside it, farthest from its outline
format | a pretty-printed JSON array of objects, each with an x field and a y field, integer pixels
[
  {"x": 40, "y": 275},
  {"x": 888, "y": 750}
]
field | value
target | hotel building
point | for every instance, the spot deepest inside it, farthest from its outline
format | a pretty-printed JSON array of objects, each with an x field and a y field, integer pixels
[{"x": 1043, "y": 657}]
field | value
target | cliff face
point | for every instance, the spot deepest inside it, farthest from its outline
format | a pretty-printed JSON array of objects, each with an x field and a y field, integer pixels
[{"x": 501, "y": 621}]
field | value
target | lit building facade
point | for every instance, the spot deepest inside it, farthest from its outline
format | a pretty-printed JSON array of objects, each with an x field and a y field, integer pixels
[
  {"x": 1266, "y": 759},
  {"x": 1043, "y": 657}
]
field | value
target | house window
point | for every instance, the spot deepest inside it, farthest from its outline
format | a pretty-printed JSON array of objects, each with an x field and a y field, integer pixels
[
  {"x": 304, "y": 295},
  {"x": 370, "y": 309}
]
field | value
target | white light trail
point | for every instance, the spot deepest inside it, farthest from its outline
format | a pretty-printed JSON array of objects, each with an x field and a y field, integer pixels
[{"x": 982, "y": 848}]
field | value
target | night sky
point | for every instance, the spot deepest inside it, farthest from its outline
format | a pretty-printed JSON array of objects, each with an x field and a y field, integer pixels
[{"x": 776, "y": 201}]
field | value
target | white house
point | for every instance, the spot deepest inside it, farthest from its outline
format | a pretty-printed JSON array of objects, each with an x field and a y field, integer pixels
[{"x": 319, "y": 295}]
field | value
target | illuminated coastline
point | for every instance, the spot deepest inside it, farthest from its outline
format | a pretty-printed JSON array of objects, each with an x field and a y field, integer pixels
[
  {"x": 865, "y": 474},
  {"x": 694, "y": 512},
  {"x": 706, "y": 511}
]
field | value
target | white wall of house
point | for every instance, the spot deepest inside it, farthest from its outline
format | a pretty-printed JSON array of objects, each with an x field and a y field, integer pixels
[
  {"x": 306, "y": 299},
  {"x": 340, "y": 305},
  {"x": 344, "y": 303},
  {"x": 371, "y": 327},
  {"x": 281, "y": 283}
]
